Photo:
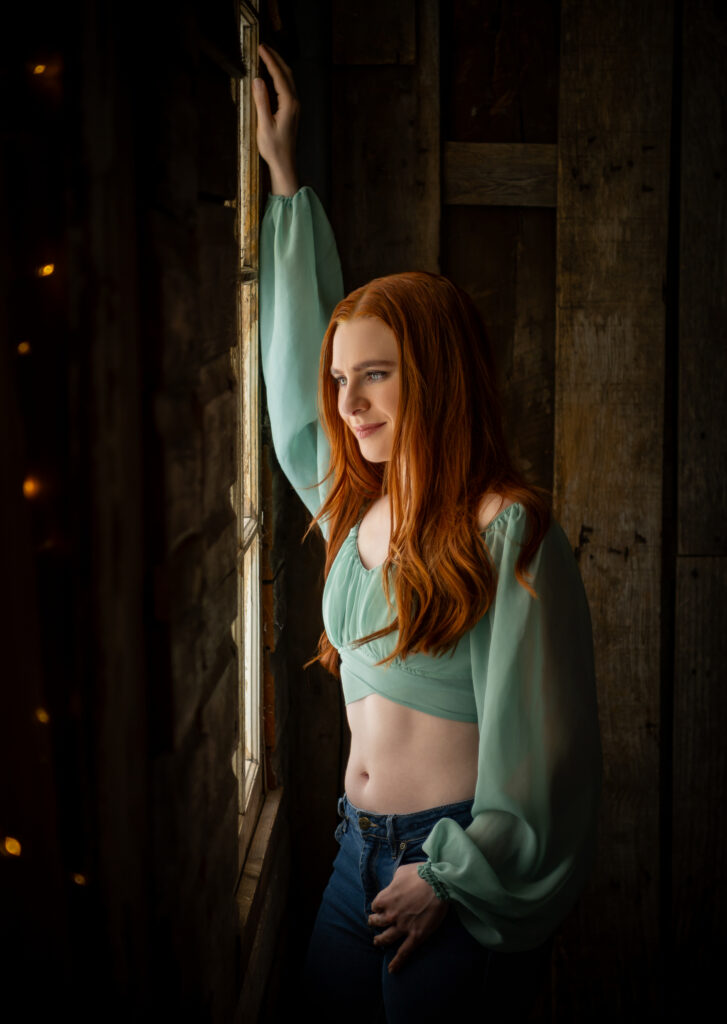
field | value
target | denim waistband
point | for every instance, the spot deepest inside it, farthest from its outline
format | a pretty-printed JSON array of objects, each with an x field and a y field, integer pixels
[{"x": 396, "y": 827}]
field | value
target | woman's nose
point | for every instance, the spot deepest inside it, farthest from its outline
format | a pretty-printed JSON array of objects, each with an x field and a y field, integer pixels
[{"x": 350, "y": 401}]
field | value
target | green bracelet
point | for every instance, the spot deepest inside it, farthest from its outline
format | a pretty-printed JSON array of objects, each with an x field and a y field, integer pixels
[{"x": 424, "y": 870}]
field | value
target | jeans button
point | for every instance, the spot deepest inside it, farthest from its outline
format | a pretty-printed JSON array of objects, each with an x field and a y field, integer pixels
[{"x": 364, "y": 822}]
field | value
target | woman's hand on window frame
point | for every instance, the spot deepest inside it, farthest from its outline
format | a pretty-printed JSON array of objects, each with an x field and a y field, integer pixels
[{"x": 277, "y": 133}]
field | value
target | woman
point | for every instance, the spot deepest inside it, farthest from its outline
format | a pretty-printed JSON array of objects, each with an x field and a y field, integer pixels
[{"x": 454, "y": 604}]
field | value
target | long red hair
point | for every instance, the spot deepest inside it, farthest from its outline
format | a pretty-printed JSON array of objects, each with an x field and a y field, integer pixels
[{"x": 449, "y": 424}]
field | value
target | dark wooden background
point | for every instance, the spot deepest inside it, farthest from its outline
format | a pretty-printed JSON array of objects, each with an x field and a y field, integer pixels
[{"x": 564, "y": 162}]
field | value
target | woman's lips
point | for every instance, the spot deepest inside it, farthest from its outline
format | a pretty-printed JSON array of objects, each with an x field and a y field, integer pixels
[{"x": 365, "y": 431}]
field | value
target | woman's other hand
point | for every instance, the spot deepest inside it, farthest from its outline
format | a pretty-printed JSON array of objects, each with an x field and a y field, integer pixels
[
  {"x": 409, "y": 906},
  {"x": 276, "y": 133}
]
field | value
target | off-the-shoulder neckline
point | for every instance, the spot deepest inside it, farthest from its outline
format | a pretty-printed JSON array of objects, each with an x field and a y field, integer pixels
[
  {"x": 513, "y": 504},
  {"x": 353, "y": 533}
]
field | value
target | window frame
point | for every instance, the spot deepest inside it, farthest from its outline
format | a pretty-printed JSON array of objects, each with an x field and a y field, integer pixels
[{"x": 248, "y": 760}]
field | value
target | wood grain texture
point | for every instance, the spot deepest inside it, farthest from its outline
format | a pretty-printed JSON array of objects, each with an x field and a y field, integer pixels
[
  {"x": 614, "y": 133},
  {"x": 505, "y": 259},
  {"x": 699, "y": 879},
  {"x": 374, "y": 32},
  {"x": 499, "y": 174},
  {"x": 699, "y": 836},
  {"x": 386, "y": 154},
  {"x": 500, "y": 70},
  {"x": 703, "y": 284}
]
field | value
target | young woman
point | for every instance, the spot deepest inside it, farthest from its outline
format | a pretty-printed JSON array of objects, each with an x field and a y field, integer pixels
[{"x": 455, "y": 616}]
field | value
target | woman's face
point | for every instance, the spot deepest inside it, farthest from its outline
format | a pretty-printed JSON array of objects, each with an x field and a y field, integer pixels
[{"x": 365, "y": 367}]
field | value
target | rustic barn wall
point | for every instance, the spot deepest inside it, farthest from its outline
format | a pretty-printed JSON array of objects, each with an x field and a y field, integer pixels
[
  {"x": 132, "y": 148},
  {"x": 499, "y": 125},
  {"x": 561, "y": 209},
  {"x": 572, "y": 179},
  {"x": 698, "y": 884},
  {"x": 613, "y": 219}
]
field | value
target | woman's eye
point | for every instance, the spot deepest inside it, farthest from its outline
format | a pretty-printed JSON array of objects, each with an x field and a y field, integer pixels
[{"x": 373, "y": 375}]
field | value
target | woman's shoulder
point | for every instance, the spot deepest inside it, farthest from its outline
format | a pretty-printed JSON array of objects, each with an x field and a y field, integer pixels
[{"x": 492, "y": 506}]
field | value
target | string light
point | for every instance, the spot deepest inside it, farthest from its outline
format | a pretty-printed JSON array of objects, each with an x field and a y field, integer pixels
[
  {"x": 42, "y": 715},
  {"x": 40, "y": 69},
  {"x": 46, "y": 270},
  {"x": 24, "y": 348},
  {"x": 79, "y": 879},
  {"x": 31, "y": 487},
  {"x": 12, "y": 846}
]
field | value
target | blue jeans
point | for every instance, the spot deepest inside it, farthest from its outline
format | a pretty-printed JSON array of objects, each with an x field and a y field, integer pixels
[{"x": 449, "y": 974}]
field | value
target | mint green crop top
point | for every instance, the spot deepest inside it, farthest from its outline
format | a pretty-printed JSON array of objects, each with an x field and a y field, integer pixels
[{"x": 524, "y": 673}]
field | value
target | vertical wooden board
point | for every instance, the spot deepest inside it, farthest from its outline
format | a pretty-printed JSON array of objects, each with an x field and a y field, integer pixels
[
  {"x": 217, "y": 258},
  {"x": 703, "y": 283},
  {"x": 505, "y": 259},
  {"x": 386, "y": 155},
  {"x": 500, "y": 70},
  {"x": 217, "y": 140},
  {"x": 530, "y": 383},
  {"x": 699, "y": 876},
  {"x": 374, "y": 32},
  {"x": 614, "y": 123}
]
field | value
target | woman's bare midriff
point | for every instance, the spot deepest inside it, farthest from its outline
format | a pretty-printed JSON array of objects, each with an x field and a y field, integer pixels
[{"x": 404, "y": 760}]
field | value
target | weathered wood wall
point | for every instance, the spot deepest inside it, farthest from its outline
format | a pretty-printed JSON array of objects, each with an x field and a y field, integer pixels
[
  {"x": 613, "y": 221},
  {"x": 123, "y": 158},
  {"x": 698, "y": 502},
  {"x": 499, "y": 126},
  {"x": 582, "y": 205},
  {"x": 609, "y": 333}
]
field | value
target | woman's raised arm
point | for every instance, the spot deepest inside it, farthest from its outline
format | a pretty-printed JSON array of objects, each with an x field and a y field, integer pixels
[{"x": 300, "y": 284}]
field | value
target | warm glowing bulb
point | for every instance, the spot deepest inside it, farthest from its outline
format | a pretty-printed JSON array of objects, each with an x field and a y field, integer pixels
[
  {"x": 42, "y": 715},
  {"x": 31, "y": 487},
  {"x": 24, "y": 348},
  {"x": 46, "y": 270},
  {"x": 12, "y": 846},
  {"x": 79, "y": 879},
  {"x": 39, "y": 69}
]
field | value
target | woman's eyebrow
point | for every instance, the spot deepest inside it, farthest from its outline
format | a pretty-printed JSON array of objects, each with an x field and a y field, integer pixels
[{"x": 369, "y": 362}]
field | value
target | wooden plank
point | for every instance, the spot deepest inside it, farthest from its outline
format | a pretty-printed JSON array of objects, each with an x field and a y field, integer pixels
[
  {"x": 386, "y": 153},
  {"x": 699, "y": 878},
  {"x": 499, "y": 70},
  {"x": 505, "y": 259},
  {"x": 500, "y": 174},
  {"x": 250, "y": 894},
  {"x": 529, "y": 394},
  {"x": 217, "y": 137},
  {"x": 614, "y": 136},
  {"x": 699, "y": 836},
  {"x": 374, "y": 32},
  {"x": 702, "y": 279}
]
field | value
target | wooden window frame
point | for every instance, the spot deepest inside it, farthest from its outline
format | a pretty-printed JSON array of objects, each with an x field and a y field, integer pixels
[{"x": 247, "y": 630}]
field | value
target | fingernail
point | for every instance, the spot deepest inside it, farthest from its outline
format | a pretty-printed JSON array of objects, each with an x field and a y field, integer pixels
[{"x": 257, "y": 83}]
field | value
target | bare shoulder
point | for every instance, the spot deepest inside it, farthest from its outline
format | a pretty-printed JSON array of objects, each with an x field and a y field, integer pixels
[{"x": 491, "y": 505}]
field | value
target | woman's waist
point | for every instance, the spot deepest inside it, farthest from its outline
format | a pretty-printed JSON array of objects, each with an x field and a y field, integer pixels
[
  {"x": 404, "y": 760},
  {"x": 401, "y": 828}
]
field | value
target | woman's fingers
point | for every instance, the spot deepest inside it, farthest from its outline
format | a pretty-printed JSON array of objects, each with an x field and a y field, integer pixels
[
  {"x": 262, "y": 102},
  {"x": 390, "y": 935},
  {"x": 402, "y": 954},
  {"x": 276, "y": 133},
  {"x": 280, "y": 73}
]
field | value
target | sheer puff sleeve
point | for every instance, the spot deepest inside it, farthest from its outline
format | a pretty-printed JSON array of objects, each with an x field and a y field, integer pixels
[
  {"x": 300, "y": 285},
  {"x": 516, "y": 871}
]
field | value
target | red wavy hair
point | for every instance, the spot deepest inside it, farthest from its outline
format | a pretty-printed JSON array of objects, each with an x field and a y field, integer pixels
[{"x": 449, "y": 424}]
